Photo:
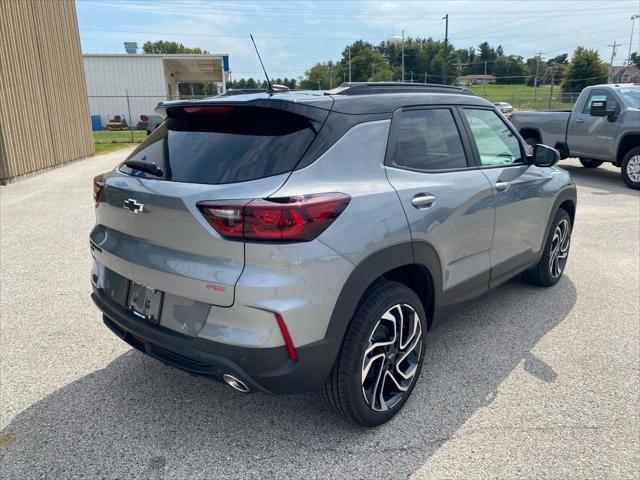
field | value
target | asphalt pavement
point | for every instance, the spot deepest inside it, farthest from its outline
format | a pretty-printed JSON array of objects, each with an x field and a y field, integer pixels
[{"x": 524, "y": 383}]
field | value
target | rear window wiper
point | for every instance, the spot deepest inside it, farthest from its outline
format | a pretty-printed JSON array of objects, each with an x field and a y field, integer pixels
[{"x": 147, "y": 167}]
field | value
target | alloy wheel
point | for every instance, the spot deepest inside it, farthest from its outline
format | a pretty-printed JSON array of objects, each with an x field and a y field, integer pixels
[
  {"x": 559, "y": 248},
  {"x": 633, "y": 168},
  {"x": 391, "y": 360}
]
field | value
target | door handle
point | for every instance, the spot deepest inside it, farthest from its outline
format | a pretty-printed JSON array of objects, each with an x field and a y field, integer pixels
[
  {"x": 579, "y": 120},
  {"x": 422, "y": 200},
  {"x": 502, "y": 186}
]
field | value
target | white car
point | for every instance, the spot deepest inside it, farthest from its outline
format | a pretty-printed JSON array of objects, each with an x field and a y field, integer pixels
[{"x": 504, "y": 107}]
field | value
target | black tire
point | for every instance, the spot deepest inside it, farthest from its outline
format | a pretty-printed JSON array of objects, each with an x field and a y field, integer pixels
[
  {"x": 590, "y": 162},
  {"x": 345, "y": 388},
  {"x": 532, "y": 141},
  {"x": 545, "y": 274},
  {"x": 627, "y": 166}
]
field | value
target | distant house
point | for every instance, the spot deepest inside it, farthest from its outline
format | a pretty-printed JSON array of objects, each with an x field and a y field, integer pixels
[
  {"x": 475, "y": 79},
  {"x": 628, "y": 74}
]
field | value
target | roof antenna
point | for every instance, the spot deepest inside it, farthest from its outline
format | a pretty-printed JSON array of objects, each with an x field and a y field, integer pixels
[{"x": 272, "y": 88}]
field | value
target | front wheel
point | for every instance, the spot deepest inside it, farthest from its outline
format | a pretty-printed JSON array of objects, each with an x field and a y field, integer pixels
[
  {"x": 556, "y": 252},
  {"x": 590, "y": 163},
  {"x": 381, "y": 356},
  {"x": 631, "y": 168}
]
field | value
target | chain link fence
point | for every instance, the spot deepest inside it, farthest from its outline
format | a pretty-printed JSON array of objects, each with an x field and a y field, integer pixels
[
  {"x": 130, "y": 118},
  {"x": 118, "y": 119},
  {"x": 543, "y": 101}
]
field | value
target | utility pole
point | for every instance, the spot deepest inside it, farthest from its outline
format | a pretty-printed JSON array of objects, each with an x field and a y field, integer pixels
[
  {"x": 553, "y": 75},
  {"x": 633, "y": 22},
  {"x": 446, "y": 53},
  {"x": 613, "y": 54},
  {"x": 402, "y": 56},
  {"x": 485, "y": 78},
  {"x": 349, "y": 64},
  {"x": 535, "y": 80}
]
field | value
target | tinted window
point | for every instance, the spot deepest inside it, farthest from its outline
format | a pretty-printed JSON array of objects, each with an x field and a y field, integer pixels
[
  {"x": 596, "y": 95},
  {"x": 496, "y": 143},
  {"x": 428, "y": 140},
  {"x": 234, "y": 144}
]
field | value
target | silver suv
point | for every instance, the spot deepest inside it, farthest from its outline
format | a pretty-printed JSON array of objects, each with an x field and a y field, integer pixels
[{"x": 308, "y": 240}]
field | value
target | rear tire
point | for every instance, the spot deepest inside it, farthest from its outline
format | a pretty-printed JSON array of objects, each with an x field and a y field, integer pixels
[
  {"x": 631, "y": 168},
  {"x": 556, "y": 252},
  {"x": 380, "y": 361},
  {"x": 590, "y": 162}
]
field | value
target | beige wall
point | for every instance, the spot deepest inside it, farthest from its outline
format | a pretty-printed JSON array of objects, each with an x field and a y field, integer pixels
[{"x": 44, "y": 112}]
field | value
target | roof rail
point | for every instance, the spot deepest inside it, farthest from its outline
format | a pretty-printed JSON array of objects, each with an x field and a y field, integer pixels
[{"x": 369, "y": 88}]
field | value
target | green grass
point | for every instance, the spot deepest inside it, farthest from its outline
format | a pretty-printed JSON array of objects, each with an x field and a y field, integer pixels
[
  {"x": 104, "y": 136},
  {"x": 521, "y": 96},
  {"x": 105, "y": 141}
]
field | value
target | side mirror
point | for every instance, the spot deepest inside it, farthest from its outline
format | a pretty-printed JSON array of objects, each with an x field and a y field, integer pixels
[
  {"x": 598, "y": 108},
  {"x": 612, "y": 115},
  {"x": 544, "y": 156}
]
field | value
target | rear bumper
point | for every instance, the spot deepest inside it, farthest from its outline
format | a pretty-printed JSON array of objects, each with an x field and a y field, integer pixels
[{"x": 269, "y": 370}]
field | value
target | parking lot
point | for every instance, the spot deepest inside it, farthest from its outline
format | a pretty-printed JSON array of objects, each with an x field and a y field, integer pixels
[{"x": 523, "y": 383}]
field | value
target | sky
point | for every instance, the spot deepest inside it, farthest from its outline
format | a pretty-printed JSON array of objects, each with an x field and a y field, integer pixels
[{"x": 293, "y": 35}]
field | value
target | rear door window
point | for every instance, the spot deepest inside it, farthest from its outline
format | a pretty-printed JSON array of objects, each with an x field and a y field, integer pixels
[
  {"x": 428, "y": 140},
  {"x": 225, "y": 145}
]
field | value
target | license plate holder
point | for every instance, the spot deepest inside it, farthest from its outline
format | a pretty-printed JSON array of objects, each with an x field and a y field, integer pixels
[{"x": 145, "y": 302}]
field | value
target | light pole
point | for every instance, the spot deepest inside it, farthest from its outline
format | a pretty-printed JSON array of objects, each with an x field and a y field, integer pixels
[
  {"x": 402, "y": 56},
  {"x": 633, "y": 22},
  {"x": 446, "y": 53},
  {"x": 411, "y": 72}
]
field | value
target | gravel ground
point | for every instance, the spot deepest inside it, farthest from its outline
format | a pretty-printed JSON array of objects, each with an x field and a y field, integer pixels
[{"x": 524, "y": 383}]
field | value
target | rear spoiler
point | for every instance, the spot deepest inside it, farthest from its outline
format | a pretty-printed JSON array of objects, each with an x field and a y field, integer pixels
[{"x": 315, "y": 113}]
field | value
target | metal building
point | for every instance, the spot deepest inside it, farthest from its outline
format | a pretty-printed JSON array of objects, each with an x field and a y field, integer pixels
[
  {"x": 131, "y": 85},
  {"x": 44, "y": 113}
]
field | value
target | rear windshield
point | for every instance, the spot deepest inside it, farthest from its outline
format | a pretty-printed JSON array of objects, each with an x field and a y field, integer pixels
[{"x": 230, "y": 144}]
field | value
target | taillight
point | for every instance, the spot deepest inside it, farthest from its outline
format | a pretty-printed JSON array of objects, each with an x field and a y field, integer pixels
[
  {"x": 98, "y": 185},
  {"x": 277, "y": 219}
]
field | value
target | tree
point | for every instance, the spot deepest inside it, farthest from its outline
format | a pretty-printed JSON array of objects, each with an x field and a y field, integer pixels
[
  {"x": 559, "y": 60},
  {"x": 163, "y": 46},
  {"x": 510, "y": 70},
  {"x": 316, "y": 78},
  {"x": 635, "y": 59},
  {"x": 542, "y": 69},
  {"x": 585, "y": 69}
]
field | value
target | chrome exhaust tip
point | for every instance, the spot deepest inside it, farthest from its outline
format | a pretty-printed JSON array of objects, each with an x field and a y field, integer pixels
[{"x": 235, "y": 383}]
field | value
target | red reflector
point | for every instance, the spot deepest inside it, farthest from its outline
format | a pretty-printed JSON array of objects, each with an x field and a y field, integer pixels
[
  {"x": 208, "y": 109},
  {"x": 225, "y": 216},
  {"x": 276, "y": 219},
  {"x": 98, "y": 185},
  {"x": 291, "y": 350}
]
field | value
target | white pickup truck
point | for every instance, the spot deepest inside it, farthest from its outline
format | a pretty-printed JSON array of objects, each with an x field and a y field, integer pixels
[{"x": 604, "y": 126}]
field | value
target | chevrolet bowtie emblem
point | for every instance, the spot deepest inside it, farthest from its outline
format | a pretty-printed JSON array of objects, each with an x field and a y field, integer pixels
[{"x": 133, "y": 206}]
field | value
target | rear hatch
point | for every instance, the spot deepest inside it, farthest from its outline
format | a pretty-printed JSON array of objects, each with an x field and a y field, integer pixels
[{"x": 148, "y": 226}]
